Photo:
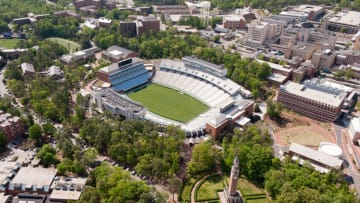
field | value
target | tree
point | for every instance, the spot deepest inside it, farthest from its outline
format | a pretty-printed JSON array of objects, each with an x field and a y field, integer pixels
[
  {"x": 216, "y": 38},
  {"x": 35, "y": 133},
  {"x": 47, "y": 155},
  {"x": 174, "y": 185},
  {"x": 274, "y": 109},
  {"x": 2, "y": 141},
  {"x": 48, "y": 129},
  {"x": 203, "y": 160}
]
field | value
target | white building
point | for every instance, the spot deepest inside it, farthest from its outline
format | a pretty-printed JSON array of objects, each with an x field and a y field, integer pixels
[{"x": 354, "y": 130}]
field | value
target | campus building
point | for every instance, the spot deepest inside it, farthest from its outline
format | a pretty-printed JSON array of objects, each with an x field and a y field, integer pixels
[
  {"x": 234, "y": 22},
  {"x": 312, "y": 11},
  {"x": 80, "y": 56},
  {"x": 343, "y": 21},
  {"x": 112, "y": 101},
  {"x": 321, "y": 161},
  {"x": 259, "y": 33},
  {"x": 312, "y": 99},
  {"x": 115, "y": 54},
  {"x": 11, "y": 125},
  {"x": 32, "y": 180},
  {"x": 125, "y": 75},
  {"x": 348, "y": 57}
]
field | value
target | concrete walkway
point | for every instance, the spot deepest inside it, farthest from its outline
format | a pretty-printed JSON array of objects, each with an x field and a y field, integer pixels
[{"x": 195, "y": 186}]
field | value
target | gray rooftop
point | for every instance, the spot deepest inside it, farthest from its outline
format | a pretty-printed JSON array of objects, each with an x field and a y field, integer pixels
[
  {"x": 315, "y": 155},
  {"x": 313, "y": 94},
  {"x": 38, "y": 176},
  {"x": 27, "y": 68},
  {"x": 346, "y": 17}
]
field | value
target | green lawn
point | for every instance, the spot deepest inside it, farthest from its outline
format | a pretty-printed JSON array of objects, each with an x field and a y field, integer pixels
[
  {"x": 208, "y": 190},
  {"x": 70, "y": 45},
  {"x": 169, "y": 103},
  {"x": 8, "y": 43},
  {"x": 248, "y": 188},
  {"x": 186, "y": 192}
]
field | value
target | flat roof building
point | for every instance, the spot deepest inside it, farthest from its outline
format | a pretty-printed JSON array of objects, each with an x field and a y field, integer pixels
[
  {"x": 7, "y": 171},
  {"x": 312, "y": 11},
  {"x": 80, "y": 56},
  {"x": 343, "y": 21},
  {"x": 320, "y": 161},
  {"x": 27, "y": 69},
  {"x": 312, "y": 99},
  {"x": 30, "y": 179},
  {"x": 115, "y": 53},
  {"x": 234, "y": 22},
  {"x": 66, "y": 188}
]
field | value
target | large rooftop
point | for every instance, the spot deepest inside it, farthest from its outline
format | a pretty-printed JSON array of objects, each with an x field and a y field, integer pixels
[
  {"x": 313, "y": 94},
  {"x": 317, "y": 156},
  {"x": 38, "y": 176},
  {"x": 347, "y": 18}
]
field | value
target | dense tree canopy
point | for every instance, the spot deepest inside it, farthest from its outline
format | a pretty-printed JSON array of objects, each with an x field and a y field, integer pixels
[
  {"x": 294, "y": 183},
  {"x": 204, "y": 159},
  {"x": 253, "y": 147},
  {"x": 47, "y": 155},
  {"x": 115, "y": 185}
]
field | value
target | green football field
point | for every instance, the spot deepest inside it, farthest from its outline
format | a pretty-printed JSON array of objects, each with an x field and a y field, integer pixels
[{"x": 169, "y": 103}]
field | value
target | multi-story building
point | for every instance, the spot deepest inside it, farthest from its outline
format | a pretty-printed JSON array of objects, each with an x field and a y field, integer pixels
[
  {"x": 323, "y": 58},
  {"x": 312, "y": 99},
  {"x": 171, "y": 9},
  {"x": 343, "y": 21},
  {"x": 312, "y": 11},
  {"x": 80, "y": 56},
  {"x": 67, "y": 14},
  {"x": 234, "y": 22},
  {"x": 348, "y": 57},
  {"x": 139, "y": 26},
  {"x": 128, "y": 29},
  {"x": 147, "y": 23},
  {"x": 302, "y": 50},
  {"x": 259, "y": 33},
  {"x": 11, "y": 125},
  {"x": 293, "y": 16},
  {"x": 115, "y": 53}
]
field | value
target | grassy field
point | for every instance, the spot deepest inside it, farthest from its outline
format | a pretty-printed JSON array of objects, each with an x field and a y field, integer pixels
[
  {"x": 186, "y": 192},
  {"x": 248, "y": 188},
  {"x": 208, "y": 190},
  {"x": 70, "y": 45},
  {"x": 169, "y": 103},
  {"x": 8, "y": 43}
]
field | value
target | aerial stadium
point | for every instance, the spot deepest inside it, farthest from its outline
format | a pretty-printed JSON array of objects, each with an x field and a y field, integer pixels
[{"x": 191, "y": 93}]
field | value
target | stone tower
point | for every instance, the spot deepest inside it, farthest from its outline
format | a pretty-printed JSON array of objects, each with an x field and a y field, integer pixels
[
  {"x": 234, "y": 175},
  {"x": 231, "y": 193}
]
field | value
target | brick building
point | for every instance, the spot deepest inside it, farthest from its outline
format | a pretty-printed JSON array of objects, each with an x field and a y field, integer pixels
[
  {"x": 11, "y": 125},
  {"x": 312, "y": 99},
  {"x": 234, "y": 22}
]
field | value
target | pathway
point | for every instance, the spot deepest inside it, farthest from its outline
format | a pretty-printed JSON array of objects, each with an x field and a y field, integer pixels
[{"x": 197, "y": 185}]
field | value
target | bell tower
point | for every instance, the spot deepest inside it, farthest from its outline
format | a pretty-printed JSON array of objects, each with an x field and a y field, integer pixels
[{"x": 232, "y": 195}]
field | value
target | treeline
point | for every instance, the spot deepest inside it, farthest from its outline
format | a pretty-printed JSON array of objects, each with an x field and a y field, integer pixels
[
  {"x": 56, "y": 27},
  {"x": 290, "y": 182},
  {"x": 137, "y": 144},
  {"x": 112, "y": 184},
  {"x": 278, "y": 5},
  {"x": 19, "y": 8}
]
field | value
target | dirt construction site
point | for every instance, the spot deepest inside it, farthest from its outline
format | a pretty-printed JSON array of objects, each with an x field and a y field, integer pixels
[{"x": 302, "y": 130}]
